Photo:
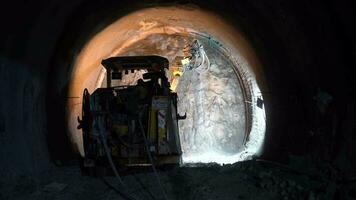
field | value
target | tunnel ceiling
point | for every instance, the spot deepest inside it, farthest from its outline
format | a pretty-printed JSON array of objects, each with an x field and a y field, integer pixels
[{"x": 219, "y": 121}]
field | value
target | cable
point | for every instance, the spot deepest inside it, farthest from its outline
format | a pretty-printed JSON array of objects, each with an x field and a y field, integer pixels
[
  {"x": 144, "y": 187},
  {"x": 150, "y": 158},
  {"x": 125, "y": 196},
  {"x": 108, "y": 155}
]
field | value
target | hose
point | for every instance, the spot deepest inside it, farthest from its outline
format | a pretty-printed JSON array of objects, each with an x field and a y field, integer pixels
[
  {"x": 108, "y": 155},
  {"x": 150, "y": 159}
]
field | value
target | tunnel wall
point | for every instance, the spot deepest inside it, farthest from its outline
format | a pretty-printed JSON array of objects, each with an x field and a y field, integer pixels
[
  {"x": 28, "y": 39},
  {"x": 303, "y": 46},
  {"x": 22, "y": 121}
]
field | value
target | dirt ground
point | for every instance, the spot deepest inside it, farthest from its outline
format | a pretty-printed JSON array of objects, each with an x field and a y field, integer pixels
[{"x": 243, "y": 180}]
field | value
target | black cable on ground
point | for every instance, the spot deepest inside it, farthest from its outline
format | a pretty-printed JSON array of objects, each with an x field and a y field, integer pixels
[
  {"x": 144, "y": 187},
  {"x": 151, "y": 160},
  {"x": 106, "y": 148},
  {"x": 118, "y": 191}
]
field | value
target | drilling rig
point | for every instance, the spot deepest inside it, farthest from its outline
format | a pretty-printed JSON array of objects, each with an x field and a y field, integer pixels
[{"x": 131, "y": 125}]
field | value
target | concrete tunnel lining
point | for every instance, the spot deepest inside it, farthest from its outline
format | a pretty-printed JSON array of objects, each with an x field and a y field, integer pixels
[{"x": 135, "y": 27}]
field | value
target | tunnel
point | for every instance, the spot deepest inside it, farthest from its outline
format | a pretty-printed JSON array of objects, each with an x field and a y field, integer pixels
[
  {"x": 233, "y": 129},
  {"x": 270, "y": 105}
]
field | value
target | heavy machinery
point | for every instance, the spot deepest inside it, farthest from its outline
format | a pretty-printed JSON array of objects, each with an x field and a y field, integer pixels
[{"x": 131, "y": 125}]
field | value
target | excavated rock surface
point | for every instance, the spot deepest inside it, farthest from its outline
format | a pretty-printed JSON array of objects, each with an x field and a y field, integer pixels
[{"x": 211, "y": 96}]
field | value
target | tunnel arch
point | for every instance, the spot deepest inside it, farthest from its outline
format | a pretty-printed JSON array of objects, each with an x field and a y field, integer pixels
[{"x": 231, "y": 42}]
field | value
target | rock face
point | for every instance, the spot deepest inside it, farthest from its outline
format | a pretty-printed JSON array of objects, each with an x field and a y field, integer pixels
[{"x": 210, "y": 94}]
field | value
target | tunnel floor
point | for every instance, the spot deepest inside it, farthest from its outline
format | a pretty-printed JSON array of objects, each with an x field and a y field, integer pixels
[{"x": 244, "y": 180}]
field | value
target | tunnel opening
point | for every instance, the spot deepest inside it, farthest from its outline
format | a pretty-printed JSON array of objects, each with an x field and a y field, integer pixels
[{"x": 221, "y": 96}]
